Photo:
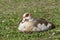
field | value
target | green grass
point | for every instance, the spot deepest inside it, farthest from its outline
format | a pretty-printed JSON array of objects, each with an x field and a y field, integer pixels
[{"x": 11, "y": 12}]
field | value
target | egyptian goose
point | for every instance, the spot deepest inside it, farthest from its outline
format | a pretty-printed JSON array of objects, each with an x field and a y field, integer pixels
[{"x": 29, "y": 24}]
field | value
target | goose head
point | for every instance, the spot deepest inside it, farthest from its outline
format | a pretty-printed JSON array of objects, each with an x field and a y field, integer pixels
[{"x": 27, "y": 16}]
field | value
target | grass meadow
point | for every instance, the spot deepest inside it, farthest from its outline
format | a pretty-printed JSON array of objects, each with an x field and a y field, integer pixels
[{"x": 11, "y": 12}]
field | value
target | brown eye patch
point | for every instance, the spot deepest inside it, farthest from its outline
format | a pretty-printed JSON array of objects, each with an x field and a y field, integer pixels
[{"x": 27, "y": 15}]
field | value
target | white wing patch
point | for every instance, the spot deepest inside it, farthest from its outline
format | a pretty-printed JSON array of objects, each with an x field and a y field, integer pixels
[
  {"x": 42, "y": 27},
  {"x": 49, "y": 25}
]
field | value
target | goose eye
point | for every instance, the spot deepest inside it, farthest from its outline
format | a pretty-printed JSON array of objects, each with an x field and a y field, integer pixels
[{"x": 27, "y": 15}]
